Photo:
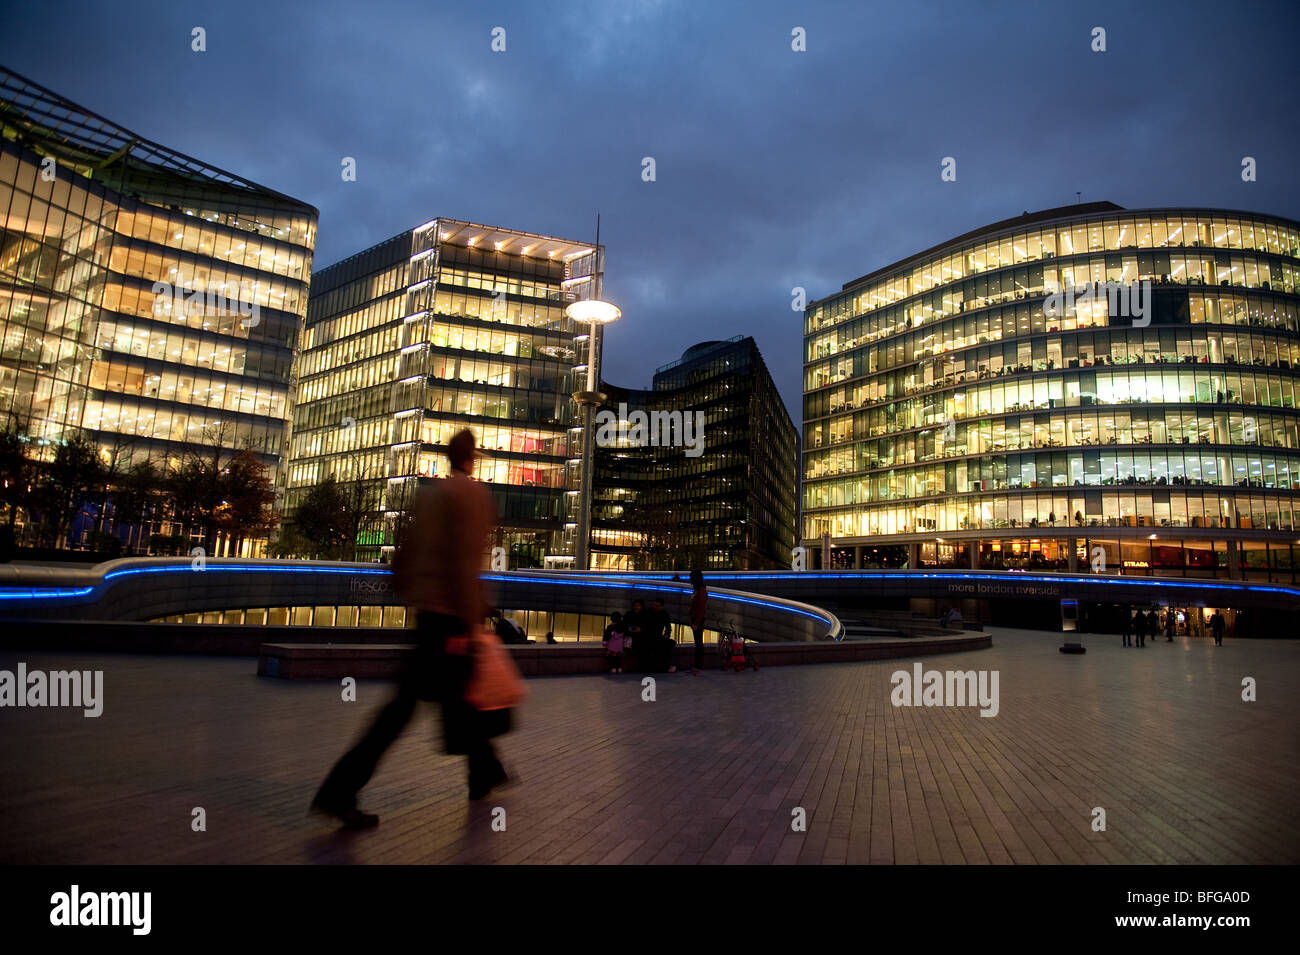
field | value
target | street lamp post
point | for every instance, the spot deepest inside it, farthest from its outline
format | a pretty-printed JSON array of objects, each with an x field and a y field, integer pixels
[{"x": 594, "y": 314}]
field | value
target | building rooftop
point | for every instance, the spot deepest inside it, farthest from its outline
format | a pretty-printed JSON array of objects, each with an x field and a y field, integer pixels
[
  {"x": 511, "y": 241},
  {"x": 478, "y": 236},
  {"x": 1026, "y": 218},
  {"x": 101, "y": 150},
  {"x": 701, "y": 349}
]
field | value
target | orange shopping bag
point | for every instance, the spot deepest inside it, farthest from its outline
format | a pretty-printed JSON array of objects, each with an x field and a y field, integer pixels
[{"x": 495, "y": 683}]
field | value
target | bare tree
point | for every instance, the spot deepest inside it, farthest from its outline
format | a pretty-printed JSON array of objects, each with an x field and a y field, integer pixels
[
  {"x": 361, "y": 496},
  {"x": 16, "y": 470},
  {"x": 196, "y": 485}
]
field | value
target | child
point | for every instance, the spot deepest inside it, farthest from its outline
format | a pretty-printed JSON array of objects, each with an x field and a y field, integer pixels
[{"x": 613, "y": 641}]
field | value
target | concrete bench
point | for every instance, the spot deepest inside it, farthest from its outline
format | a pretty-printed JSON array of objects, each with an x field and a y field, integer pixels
[
  {"x": 383, "y": 661},
  {"x": 332, "y": 661}
]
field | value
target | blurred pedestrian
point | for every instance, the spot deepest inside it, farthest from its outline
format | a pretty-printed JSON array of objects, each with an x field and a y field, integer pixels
[{"x": 436, "y": 570}]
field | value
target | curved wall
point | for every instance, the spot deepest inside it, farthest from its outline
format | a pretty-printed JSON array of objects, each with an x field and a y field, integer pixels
[{"x": 149, "y": 588}]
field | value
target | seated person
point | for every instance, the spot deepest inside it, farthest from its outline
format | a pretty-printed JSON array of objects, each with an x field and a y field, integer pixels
[{"x": 507, "y": 629}]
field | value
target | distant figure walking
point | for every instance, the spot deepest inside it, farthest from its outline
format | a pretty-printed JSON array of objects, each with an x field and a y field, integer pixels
[
  {"x": 699, "y": 606},
  {"x": 436, "y": 570},
  {"x": 1140, "y": 628},
  {"x": 1153, "y": 625},
  {"x": 1171, "y": 624},
  {"x": 635, "y": 635},
  {"x": 1128, "y": 632},
  {"x": 661, "y": 639},
  {"x": 1217, "y": 626}
]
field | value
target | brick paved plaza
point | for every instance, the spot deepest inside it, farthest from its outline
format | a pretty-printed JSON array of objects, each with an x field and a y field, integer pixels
[{"x": 710, "y": 772}]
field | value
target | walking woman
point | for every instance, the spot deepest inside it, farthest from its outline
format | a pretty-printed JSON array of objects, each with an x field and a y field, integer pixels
[
  {"x": 436, "y": 571},
  {"x": 699, "y": 604}
]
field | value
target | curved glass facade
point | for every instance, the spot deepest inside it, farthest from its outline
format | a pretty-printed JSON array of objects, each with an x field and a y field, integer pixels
[
  {"x": 954, "y": 407},
  {"x": 146, "y": 299},
  {"x": 94, "y": 222}
]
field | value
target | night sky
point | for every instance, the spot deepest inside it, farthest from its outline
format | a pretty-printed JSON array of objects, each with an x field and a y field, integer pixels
[{"x": 774, "y": 168}]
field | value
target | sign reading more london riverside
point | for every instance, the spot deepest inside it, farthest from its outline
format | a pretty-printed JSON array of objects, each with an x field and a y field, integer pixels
[{"x": 1003, "y": 589}]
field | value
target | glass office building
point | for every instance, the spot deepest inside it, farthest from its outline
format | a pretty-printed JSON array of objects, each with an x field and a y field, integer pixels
[
  {"x": 732, "y": 506},
  {"x": 147, "y": 299},
  {"x": 1007, "y": 399},
  {"x": 447, "y": 326}
]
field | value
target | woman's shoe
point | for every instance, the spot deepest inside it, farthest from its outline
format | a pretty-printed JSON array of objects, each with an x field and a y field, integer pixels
[
  {"x": 351, "y": 818},
  {"x": 480, "y": 790}
]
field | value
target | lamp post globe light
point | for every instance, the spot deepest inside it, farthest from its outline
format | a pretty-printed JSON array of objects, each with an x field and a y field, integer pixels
[{"x": 594, "y": 313}]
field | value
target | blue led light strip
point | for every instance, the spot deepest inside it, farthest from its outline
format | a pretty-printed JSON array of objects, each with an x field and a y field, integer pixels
[
  {"x": 33, "y": 594},
  {"x": 620, "y": 581},
  {"x": 184, "y": 568},
  {"x": 629, "y": 584}
]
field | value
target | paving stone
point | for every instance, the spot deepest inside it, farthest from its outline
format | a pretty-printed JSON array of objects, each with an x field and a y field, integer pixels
[{"x": 708, "y": 774}]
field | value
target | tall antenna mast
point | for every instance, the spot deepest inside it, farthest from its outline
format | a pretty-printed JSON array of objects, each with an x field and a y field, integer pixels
[{"x": 600, "y": 262}]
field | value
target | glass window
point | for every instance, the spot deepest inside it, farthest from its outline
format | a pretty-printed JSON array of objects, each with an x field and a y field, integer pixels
[{"x": 1111, "y": 231}]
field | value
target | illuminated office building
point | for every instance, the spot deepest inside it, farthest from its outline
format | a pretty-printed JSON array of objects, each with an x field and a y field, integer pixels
[
  {"x": 956, "y": 415},
  {"x": 732, "y": 504},
  {"x": 447, "y": 326},
  {"x": 146, "y": 298}
]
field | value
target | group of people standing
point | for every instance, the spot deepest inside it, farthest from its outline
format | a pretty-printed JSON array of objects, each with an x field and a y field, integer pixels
[
  {"x": 647, "y": 635},
  {"x": 1142, "y": 625}
]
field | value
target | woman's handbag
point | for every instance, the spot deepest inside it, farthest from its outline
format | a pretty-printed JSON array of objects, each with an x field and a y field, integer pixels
[{"x": 495, "y": 683}]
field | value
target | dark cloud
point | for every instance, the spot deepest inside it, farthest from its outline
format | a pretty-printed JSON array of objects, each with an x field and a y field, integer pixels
[{"x": 775, "y": 169}]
